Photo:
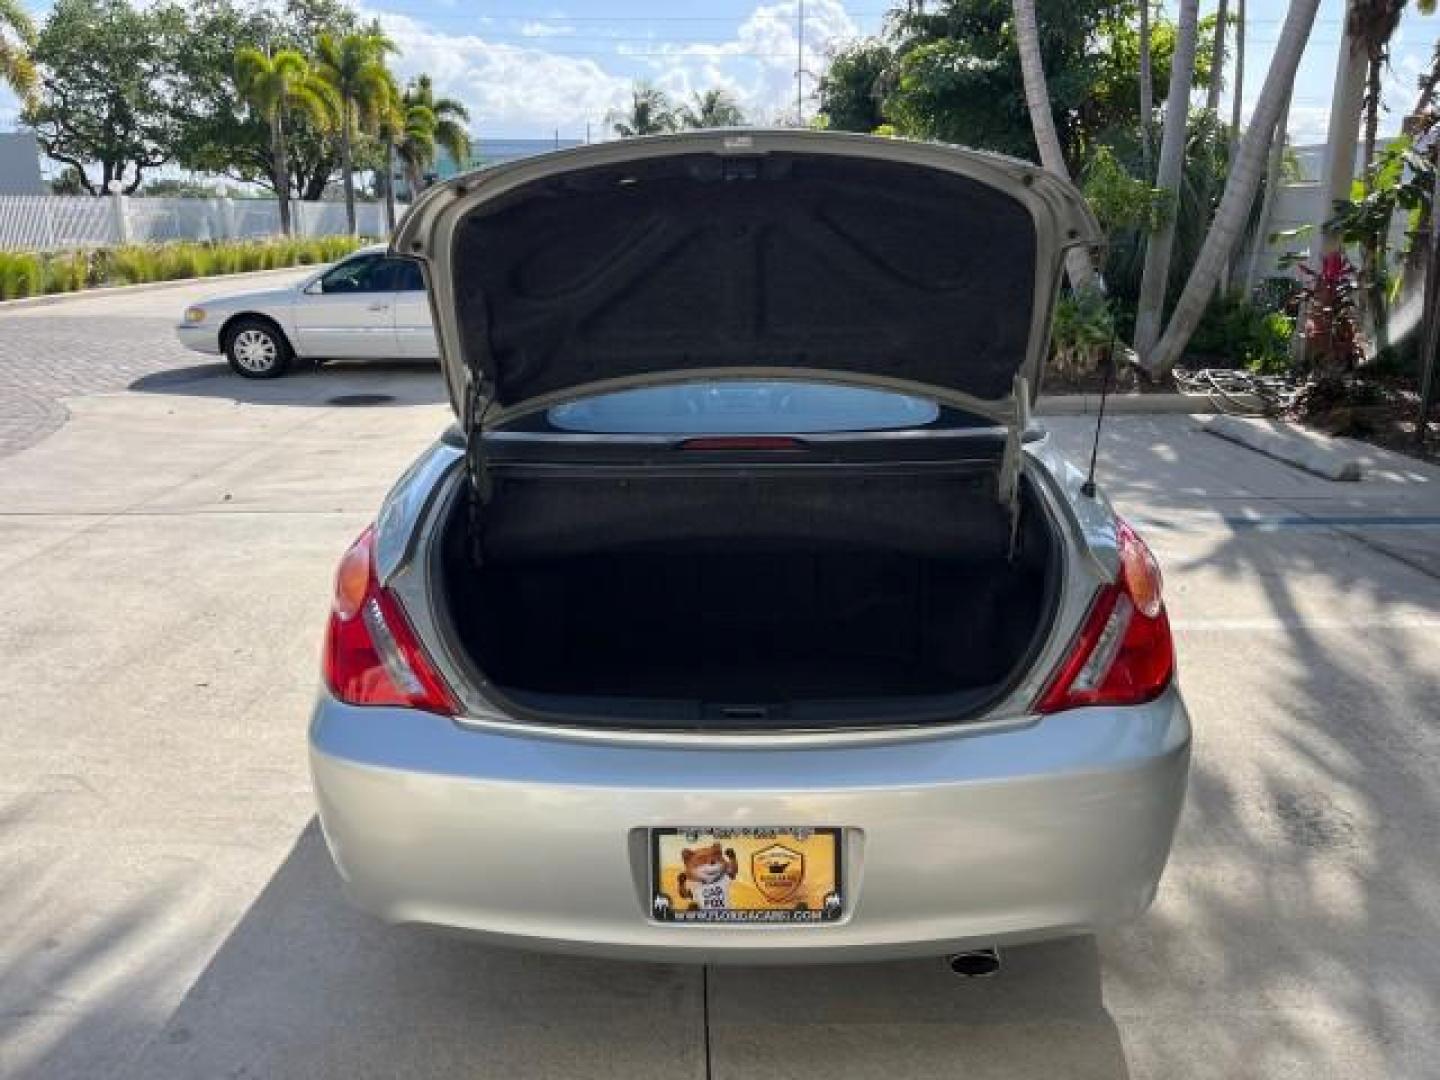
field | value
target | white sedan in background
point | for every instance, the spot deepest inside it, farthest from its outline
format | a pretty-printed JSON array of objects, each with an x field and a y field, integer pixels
[{"x": 366, "y": 306}]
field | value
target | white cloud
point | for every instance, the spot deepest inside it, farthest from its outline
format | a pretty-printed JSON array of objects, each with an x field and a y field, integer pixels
[
  {"x": 546, "y": 29},
  {"x": 758, "y": 65},
  {"x": 531, "y": 89},
  {"x": 518, "y": 89}
]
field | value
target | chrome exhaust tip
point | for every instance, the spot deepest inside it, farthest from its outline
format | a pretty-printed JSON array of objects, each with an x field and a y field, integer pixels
[{"x": 975, "y": 963}]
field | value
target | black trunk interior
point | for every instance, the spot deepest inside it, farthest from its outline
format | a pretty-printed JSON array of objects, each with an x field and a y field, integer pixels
[{"x": 603, "y": 592}]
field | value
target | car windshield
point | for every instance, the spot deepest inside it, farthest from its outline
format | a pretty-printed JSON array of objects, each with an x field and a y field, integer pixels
[{"x": 750, "y": 407}]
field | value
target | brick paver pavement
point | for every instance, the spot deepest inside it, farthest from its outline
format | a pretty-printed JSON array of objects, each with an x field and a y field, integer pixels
[{"x": 94, "y": 344}]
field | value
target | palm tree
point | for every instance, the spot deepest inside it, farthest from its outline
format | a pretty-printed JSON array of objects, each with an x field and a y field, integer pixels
[
  {"x": 1239, "y": 194},
  {"x": 1156, "y": 275},
  {"x": 712, "y": 109},
  {"x": 275, "y": 87},
  {"x": 354, "y": 66},
  {"x": 1239, "y": 94},
  {"x": 1273, "y": 165},
  {"x": 17, "y": 38},
  {"x": 1374, "y": 24},
  {"x": 650, "y": 113},
  {"x": 401, "y": 124},
  {"x": 447, "y": 131},
  {"x": 1217, "y": 58},
  {"x": 1042, "y": 120}
]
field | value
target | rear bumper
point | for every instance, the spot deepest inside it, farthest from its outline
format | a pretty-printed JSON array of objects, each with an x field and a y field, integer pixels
[
  {"x": 199, "y": 336},
  {"x": 991, "y": 836}
]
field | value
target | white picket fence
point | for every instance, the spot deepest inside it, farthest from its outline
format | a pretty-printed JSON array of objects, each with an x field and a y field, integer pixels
[{"x": 57, "y": 222}]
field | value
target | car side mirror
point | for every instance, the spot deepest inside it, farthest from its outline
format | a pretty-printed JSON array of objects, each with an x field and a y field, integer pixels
[{"x": 314, "y": 288}]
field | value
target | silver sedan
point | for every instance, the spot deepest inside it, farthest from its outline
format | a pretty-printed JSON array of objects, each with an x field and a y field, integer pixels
[
  {"x": 369, "y": 305},
  {"x": 746, "y": 615}
]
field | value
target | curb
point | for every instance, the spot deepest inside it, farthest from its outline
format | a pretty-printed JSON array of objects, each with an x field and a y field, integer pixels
[
  {"x": 147, "y": 286},
  {"x": 1132, "y": 404},
  {"x": 1330, "y": 458}
]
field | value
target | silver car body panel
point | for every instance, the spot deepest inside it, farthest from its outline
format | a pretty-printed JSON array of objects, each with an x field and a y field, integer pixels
[{"x": 991, "y": 834}]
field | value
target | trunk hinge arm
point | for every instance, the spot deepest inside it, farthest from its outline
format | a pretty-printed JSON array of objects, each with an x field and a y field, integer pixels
[
  {"x": 477, "y": 469},
  {"x": 1012, "y": 464}
]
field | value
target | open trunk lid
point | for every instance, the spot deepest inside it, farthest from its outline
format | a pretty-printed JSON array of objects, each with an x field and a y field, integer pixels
[{"x": 909, "y": 266}]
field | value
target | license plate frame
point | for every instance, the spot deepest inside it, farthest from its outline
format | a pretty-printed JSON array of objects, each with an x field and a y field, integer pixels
[{"x": 791, "y": 886}]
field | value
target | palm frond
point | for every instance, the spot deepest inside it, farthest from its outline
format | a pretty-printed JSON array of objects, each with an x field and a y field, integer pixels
[
  {"x": 454, "y": 139},
  {"x": 316, "y": 99},
  {"x": 18, "y": 20},
  {"x": 16, "y": 68},
  {"x": 290, "y": 64}
]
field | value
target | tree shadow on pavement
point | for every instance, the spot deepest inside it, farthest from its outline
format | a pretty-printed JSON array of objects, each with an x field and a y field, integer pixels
[
  {"x": 335, "y": 383},
  {"x": 307, "y": 987},
  {"x": 1298, "y": 929},
  {"x": 1041, "y": 1017}
]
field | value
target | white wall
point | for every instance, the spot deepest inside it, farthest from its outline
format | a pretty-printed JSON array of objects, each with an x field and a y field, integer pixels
[
  {"x": 1297, "y": 205},
  {"x": 52, "y": 222}
]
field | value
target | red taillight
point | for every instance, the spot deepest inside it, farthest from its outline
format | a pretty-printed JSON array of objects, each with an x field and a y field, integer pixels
[
  {"x": 1123, "y": 654},
  {"x": 372, "y": 656}
]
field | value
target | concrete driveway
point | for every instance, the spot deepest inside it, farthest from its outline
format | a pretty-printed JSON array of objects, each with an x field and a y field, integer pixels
[{"x": 167, "y": 908}]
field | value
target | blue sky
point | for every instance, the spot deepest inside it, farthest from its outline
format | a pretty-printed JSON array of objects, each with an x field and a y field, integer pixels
[{"x": 528, "y": 70}]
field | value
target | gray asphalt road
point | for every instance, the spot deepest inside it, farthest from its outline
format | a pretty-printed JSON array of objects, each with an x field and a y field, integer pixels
[{"x": 167, "y": 908}]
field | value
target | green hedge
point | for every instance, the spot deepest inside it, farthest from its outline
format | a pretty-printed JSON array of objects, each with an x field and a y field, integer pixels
[{"x": 26, "y": 273}]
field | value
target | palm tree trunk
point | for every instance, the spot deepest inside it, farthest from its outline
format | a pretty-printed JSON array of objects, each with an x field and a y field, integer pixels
[
  {"x": 412, "y": 177},
  {"x": 281, "y": 169},
  {"x": 348, "y": 176},
  {"x": 1345, "y": 107},
  {"x": 1042, "y": 121},
  {"x": 1427, "y": 86},
  {"x": 1147, "y": 93},
  {"x": 1273, "y": 163},
  {"x": 1236, "y": 102},
  {"x": 1240, "y": 187},
  {"x": 390, "y": 185},
  {"x": 1372, "y": 119},
  {"x": 1371, "y": 295},
  {"x": 1217, "y": 59},
  {"x": 1338, "y": 167},
  {"x": 1156, "y": 276},
  {"x": 1239, "y": 97}
]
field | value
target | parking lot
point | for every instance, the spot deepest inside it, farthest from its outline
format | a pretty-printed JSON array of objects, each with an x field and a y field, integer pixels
[{"x": 167, "y": 907}]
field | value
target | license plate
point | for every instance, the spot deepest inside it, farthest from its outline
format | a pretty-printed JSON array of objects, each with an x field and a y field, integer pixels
[{"x": 746, "y": 875}]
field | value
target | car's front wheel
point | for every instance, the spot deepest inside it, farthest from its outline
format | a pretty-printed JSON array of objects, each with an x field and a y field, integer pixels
[{"x": 257, "y": 349}]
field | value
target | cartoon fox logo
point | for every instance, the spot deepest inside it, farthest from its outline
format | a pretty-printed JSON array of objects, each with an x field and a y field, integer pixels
[{"x": 706, "y": 879}]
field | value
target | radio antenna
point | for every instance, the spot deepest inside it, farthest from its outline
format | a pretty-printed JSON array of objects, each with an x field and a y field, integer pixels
[{"x": 1088, "y": 488}]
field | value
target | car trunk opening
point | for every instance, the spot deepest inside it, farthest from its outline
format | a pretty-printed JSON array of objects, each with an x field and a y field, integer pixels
[{"x": 750, "y": 601}]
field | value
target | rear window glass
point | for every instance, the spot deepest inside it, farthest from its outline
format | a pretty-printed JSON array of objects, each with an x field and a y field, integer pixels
[{"x": 758, "y": 407}]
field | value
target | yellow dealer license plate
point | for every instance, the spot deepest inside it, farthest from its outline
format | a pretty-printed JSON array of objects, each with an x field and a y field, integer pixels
[{"x": 746, "y": 875}]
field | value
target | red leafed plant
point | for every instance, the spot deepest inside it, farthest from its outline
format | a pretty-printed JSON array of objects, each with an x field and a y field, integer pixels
[{"x": 1333, "y": 342}]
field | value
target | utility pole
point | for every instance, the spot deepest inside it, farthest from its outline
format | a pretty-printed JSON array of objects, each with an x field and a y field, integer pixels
[{"x": 800, "y": 68}]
